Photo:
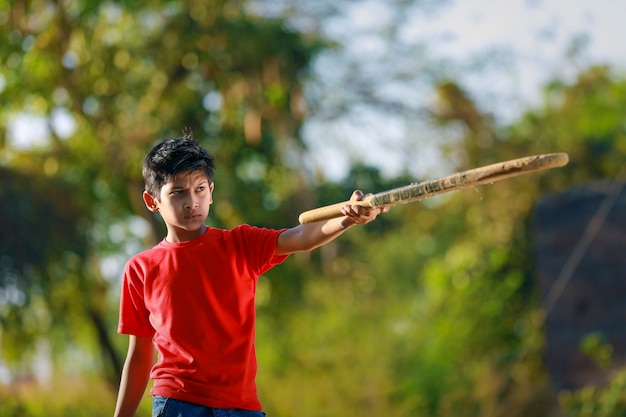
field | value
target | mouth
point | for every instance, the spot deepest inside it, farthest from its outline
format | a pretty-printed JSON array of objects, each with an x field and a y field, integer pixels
[{"x": 193, "y": 216}]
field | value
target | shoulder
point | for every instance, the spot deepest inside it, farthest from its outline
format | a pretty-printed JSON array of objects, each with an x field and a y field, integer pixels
[
  {"x": 246, "y": 231},
  {"x": 147, "y": 254},
  {"x": 246, "y": 228},
  {"x": 249, "y": 238},
  {"x": 144, "y": 259}
]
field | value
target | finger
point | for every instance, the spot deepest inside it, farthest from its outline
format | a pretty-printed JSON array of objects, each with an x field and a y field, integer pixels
[
  {"x": 351, "y": 210},
  {"x": 357, "y": 195},
  {"x": 354, "y": 212}
]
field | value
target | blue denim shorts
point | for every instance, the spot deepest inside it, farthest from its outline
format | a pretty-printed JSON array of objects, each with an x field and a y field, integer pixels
[{"x": 169, "y": 407}]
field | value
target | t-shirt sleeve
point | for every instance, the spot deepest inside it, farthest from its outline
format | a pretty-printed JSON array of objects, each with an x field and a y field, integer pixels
[
  {"x": 261, "y": 244},
  {"x": 134, "y": 316},
  {"x": 275, "y": 259}
]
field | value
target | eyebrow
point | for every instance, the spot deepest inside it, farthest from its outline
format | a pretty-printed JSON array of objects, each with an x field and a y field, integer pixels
[{"x": 180, "y": 187}]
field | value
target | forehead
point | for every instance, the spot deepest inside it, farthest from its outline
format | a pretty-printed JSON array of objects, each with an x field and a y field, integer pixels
[{"x": 187, "y": 179}]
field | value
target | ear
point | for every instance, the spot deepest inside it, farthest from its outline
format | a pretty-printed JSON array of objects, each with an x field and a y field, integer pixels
[{"x": 151, "y": 202}]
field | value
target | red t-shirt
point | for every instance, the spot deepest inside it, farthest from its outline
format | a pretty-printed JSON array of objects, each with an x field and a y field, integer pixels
[{"x": 196, "y": 299}]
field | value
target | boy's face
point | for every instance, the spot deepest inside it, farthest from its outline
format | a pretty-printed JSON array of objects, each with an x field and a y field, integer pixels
[{"x": 184, "y": 204}]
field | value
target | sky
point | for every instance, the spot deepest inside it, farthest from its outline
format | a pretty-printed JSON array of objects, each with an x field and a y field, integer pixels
[
  {"x": 537, "y": 36},
  {"x": 539, "y": 33}
]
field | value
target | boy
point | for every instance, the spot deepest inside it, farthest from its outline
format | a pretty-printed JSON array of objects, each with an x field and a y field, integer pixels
[{"x": 192, "y": 295}]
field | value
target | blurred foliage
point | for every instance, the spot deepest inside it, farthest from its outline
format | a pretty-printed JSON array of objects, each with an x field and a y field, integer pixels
[
  {"x": 609, "y": 401},
  {"x": 79, "y": 397},
  {"x": 432, "y": 310},
  {"x": 440, "y": 305},
  {"x": 42, "y": 256},
  {"x": 98, "y": 83}
]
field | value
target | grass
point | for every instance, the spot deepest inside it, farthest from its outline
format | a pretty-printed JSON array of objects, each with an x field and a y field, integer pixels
[{"x": 69, "y": 397}]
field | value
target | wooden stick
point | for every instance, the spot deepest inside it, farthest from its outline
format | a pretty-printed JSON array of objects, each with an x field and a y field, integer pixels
[{"x": 419, "y": 191}]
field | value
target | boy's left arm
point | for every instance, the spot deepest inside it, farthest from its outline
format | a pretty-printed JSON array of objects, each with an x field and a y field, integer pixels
[
  {"x": 306, "y": 237},
  {"x": 135, "y": 375}
]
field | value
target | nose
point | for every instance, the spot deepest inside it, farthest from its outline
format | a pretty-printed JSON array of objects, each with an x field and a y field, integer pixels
[{"x": 191, "y": 204}]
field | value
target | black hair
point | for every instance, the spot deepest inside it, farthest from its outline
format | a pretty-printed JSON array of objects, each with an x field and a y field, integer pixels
[{"x": 172, "y": 157}]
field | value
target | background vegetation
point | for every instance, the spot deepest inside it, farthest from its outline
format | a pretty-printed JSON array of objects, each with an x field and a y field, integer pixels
[{"x": 432, "y": 311}]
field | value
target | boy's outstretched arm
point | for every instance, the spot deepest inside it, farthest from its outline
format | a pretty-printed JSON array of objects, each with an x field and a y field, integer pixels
[
  {"x": 306, "y": 237},
  {"x": 135, "y": 375}
]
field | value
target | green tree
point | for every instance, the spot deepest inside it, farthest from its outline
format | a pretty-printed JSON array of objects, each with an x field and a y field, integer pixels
[
  {"x": 436, "y": 312},
  {"x": 478, "y": 296},
  {"x": 122, "y": 76}
]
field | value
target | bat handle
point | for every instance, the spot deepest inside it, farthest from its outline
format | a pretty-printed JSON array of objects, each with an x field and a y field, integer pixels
[
  {"x": 330, "y": 212},
  {"x": 322, "y": 213}
]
